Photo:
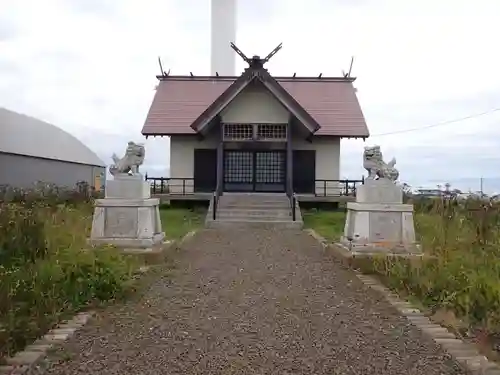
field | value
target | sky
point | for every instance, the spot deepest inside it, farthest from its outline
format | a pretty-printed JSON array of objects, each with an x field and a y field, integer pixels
[{"x": 89, "y": 67}]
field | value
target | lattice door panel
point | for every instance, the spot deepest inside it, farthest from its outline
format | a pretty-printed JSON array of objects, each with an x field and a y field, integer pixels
[
  {"x": 269, "y": 168},
  {"x": 238, "y": 167}
]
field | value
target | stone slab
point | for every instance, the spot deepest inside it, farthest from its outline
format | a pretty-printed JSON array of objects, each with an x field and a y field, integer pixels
[
  {"x": 370, "y": 250},
  {"x": 133, "y": 243},
  {"x": 115, "y": 202},
  {"x": 128, "y": 189},
  {"x": 379, "y": 191},
  {"x": 24, "y": 358},
  {"x": 388, "y": 249},
  {"x": 382, "y": 207},
  {"x": 385, "y": 226},
  {"x": 121, "y": 222}
]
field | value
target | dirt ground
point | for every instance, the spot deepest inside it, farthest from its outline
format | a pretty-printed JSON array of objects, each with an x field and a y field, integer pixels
[{"x": 252, "y": 302}]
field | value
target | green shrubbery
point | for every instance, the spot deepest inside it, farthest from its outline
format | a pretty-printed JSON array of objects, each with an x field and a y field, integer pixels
[
  {"x": 45, "y": 269},
  {"x": 461, "y": 270}
]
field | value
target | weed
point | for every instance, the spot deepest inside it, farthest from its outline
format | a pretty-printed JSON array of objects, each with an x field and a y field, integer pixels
[
  {"x": 460, "y": 271},
  {"x": 45, "y": 269}
]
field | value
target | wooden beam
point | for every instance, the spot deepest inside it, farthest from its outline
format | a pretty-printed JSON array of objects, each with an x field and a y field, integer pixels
[
  {"x": 220, "y": 165},
  {"x": 289, "y": 159}
]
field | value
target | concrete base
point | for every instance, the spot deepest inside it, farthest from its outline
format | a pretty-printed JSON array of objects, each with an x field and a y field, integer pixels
[
  {"x": 379, "y": 191},
  {"x": 261, "y": 224},
  {"x": 380, "y": 228},
  {"x": 127, "y": 223},
  {"x": 350, "y": 250},
  {"x": 128, "y": 187},
  {"x": 157, "y": 248}
]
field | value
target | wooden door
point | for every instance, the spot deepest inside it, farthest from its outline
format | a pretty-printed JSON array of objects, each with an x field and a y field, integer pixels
[
  {"x": 205, "y": 170},
  {"x": 304, "y": 171}
]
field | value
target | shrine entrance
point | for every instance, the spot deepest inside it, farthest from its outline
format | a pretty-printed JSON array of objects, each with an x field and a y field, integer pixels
[{"x": 254, "y": 171}]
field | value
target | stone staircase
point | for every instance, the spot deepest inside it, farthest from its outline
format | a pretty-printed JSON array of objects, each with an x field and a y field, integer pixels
[{"x": 254, "y": 209}]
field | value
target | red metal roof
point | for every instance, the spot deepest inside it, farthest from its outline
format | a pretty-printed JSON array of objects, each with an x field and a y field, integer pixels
[{"x": 179, "y": 101}]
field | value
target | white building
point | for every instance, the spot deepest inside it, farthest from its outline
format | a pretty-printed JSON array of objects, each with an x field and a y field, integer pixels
[{"x": 255, "y": 132}]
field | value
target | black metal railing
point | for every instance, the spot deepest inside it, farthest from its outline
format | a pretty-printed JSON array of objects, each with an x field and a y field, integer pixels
[
  {"x": 326, "y": 188},
  {"x": 215, "y": 202},
  {"x": 173, "y": 186},
  {"x": 293, "y": 204},
  {"x": 185, "y": 186},
  {"x": 215, "y": 199}
]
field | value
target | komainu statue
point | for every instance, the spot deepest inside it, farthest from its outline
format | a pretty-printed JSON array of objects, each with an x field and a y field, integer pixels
[
  {"x": 374, "y": 163},
  {"x": 129, "y": 164}
]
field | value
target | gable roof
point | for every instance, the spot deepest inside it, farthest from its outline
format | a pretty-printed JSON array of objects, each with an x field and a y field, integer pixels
[
  {"x": 269, "y": 83},
  {"x": 180, "y": 100}
]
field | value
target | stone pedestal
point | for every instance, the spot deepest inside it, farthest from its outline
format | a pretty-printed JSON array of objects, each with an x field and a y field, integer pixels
[
  {"x": 379, "y": 221},
  {"x": 128, "y": 188},
  {"x": 127, "y": 217}
]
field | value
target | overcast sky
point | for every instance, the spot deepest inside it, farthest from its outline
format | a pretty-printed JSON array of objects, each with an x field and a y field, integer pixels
[{"x": 89, "y": 67}]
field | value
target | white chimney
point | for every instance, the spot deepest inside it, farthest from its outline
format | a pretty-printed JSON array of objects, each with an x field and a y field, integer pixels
[{"x": 223, "y": 32}]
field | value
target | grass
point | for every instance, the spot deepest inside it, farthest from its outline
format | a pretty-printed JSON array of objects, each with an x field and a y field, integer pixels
[
  {"x": 177, "y": 222},
  {"x": 461, "y": 274},
  {"x": 47, "y": 271},
  {"x": 329, "y": 224}
]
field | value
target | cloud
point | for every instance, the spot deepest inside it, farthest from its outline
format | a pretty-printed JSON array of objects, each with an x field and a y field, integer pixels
[
  {"x": 8, "y": 29},
  {"x": 89, "y": 67},
  {"x": 105, "y": 8}
]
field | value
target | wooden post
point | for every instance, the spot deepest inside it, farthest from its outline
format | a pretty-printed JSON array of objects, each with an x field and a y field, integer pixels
[
  {"x": 289, "y": 161},
  {"x": 220, "y": 165}
]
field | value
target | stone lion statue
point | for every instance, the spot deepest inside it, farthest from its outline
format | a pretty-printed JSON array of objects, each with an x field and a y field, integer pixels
[
  {"x": 129, "y": 164},
  {"x": 374, "y": 163}
]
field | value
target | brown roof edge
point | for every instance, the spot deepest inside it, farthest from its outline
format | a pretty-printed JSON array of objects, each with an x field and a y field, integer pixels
[
  {"x": 155, "y": 135},
  {"x": 364, "y": 137},
  {"x": 240, "y": 83},
  {"x": 234, "y": 78},
  {"x": 268, "y": 78},
  {"x": 214, "y": 108}
]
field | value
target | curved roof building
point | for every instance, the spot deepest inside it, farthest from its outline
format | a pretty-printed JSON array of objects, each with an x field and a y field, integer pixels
[{"x": 32, "y": 150}]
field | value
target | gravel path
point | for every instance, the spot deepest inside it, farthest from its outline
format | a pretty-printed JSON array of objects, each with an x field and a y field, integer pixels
[{"x": 253, "y": 302}]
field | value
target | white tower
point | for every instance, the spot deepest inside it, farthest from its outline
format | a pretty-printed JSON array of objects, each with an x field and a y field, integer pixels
[{"x": 223, "y": 32}]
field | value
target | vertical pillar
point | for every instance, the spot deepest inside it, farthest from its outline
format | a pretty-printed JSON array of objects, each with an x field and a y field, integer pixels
[
  {"x": 220, "y": 165},
  {"x": 223, "y": 32},
  {"x": 289, "y": 159}
]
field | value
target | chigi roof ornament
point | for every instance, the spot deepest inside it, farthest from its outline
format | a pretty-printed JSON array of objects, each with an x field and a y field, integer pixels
[{"x": 256, "y": 62}]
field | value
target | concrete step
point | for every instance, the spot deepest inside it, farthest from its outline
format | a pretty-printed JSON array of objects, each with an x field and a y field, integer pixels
[
  {"x": 254, "y": 206},
  {"x": 254, "y": 224},
  {"x": 253, "y": 199},
  {"x": 251, "y": 202},
  {"x": 253, "y": 212},
  {"x": 254, "y": 218},
  {"x": 249, "y": 218},
  {"x": 255, "y": 195}
]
